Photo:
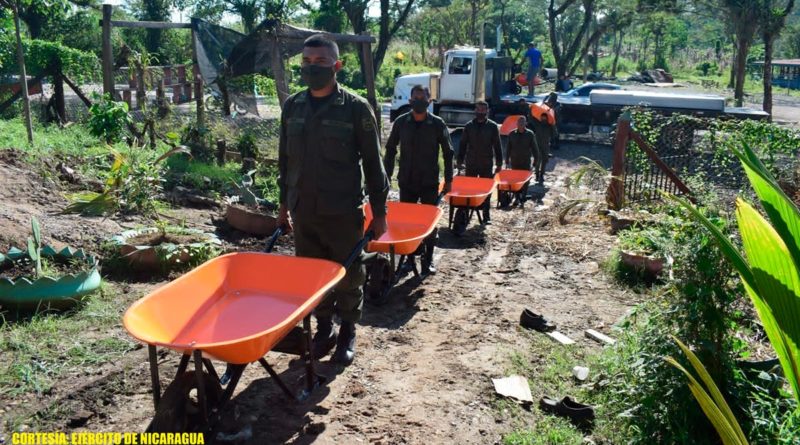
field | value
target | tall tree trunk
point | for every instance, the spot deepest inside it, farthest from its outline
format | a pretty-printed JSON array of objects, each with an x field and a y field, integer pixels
[
  {"x": 23, "y": 75},
  {"x": 732, "y": 80},
  {"x": 617, "y": 50},
  {"x": 769, "y": 41},
  {"x": 741, "y": 70}
]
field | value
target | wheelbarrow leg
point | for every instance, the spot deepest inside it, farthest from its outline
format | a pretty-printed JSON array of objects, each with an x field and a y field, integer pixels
[
  {"x": 312, "y": 379},
  {"x": 182, "y": 365},
  {"x": 153, "y": 359},
  {"x": 450, "y": 218},
  {"x": 210, "y": 368},
  {"x": 236, "y": 372},
  {"x": 277, "y": 378},
  {"x": 201, "y": 385}
]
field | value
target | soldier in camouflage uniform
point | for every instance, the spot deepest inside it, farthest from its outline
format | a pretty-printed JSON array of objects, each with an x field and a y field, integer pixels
[
  {"x": 521, "y": 148},
  {"x": 327, "y": 136},
  {"x": 421, "y": 136},
  {"x": 480, "y": 144}
]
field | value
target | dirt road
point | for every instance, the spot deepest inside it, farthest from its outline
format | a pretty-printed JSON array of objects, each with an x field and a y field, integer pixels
[{"x": 426, "y": 359}]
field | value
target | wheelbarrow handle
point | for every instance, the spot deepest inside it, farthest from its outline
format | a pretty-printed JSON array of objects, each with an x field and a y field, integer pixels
[
  {"x": 356, "y": 253},
  {"x": 273, "y": 239}
]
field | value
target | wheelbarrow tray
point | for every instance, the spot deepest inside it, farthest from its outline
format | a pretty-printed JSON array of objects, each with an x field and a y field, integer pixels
[
  {"x": 467, "y": 191},
  {"x": 407, "y": 226},
  {"x": 235, "y": 307},
  {"x": 512, "y": 180}
]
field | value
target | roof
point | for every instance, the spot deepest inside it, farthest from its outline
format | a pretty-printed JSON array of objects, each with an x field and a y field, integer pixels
[{"x": 784, "y": 62}]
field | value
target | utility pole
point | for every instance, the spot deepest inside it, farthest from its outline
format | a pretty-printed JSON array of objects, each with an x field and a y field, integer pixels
[{"x": 480, "y": 75}]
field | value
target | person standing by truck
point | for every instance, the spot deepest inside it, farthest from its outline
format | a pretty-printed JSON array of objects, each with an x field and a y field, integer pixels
[
  {"x": 521, "y": 148},
  {"x": 479, "y": 142},
  {"x": 535, "y": 62},
  {"x": 327, "y": 136},
  {"x": 422, "y": 137},
  {"x": 543, "y": 123}
]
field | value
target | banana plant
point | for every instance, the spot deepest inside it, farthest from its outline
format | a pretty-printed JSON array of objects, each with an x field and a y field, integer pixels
[
  {"x": 710, "y": 399},
  {"x": 769, "y": 267},
  {"x": 35, "y": 246}
]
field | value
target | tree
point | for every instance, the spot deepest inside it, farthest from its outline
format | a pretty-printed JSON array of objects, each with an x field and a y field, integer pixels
[
  {"x": 773, "y": 20},
  {"x": 328, "y": 16},
  {"x": 743, "y": 17},
  {"x": 567, "y": 28},
  {"x": 394, "y": 14}
]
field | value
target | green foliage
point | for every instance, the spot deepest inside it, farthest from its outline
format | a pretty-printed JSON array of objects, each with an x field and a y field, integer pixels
[
  {"x": 45, "y": 57},
  {"x": 710, "y": 399},
  {"x": 770, "y": 272},
  {"x": 133, "y": 184},
  {"x": 108, "y": 119},
  {"x": 247, "y": 145},
  {"x": 200, "y": 176},
  {"x": 706, "y": 68}
]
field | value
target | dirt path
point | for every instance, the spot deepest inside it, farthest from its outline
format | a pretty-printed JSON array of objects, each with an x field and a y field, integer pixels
[{"x": 425, "y": 360}]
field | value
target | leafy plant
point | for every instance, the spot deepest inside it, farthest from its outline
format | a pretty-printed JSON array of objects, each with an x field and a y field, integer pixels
[
  {"x": 35, "y": 246},
  {"x": 132, "y": 184},
  {"x": 710, "y": 399},
  {"x": 770, "y": 272},
  {"x": 108, "y": 118}
]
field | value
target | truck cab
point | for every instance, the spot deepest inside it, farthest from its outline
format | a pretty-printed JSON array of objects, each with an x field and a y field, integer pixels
[{"x": 454, "y": 89}]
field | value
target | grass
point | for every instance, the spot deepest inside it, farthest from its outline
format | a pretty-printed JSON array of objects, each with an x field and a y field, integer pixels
[
  {"x": 38, "y": 350},
  {"x": 548, "y": 367}
]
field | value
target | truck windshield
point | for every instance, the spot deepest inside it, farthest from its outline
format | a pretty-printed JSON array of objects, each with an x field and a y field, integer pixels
[{"x": 460, "y": 65}]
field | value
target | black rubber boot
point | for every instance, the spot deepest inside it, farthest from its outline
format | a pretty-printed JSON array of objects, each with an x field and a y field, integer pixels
[
  {"x": 325, "y": 339},
  {"x": 345, "y": 344},
  {"x": 427, "y": 257}
]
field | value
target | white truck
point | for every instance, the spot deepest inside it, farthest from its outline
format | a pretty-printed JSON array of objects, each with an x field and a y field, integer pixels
[{"x": 457, "y": 87}]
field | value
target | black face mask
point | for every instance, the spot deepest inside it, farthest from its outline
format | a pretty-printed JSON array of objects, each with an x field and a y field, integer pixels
[
  {"x": 317, "y": 77},
  {"x": 481, "y": 117},
  {"x": 419, "y": 106}
]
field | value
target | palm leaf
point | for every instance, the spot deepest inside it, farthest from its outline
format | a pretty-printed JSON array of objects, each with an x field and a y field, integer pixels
[
  {"x": 777, "y": 291},
  {"x": 727, "y": 432},
  {"x": 782, "y": 212}
]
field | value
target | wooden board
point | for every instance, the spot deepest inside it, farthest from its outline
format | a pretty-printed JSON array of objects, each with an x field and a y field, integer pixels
[
  {"x": 594, "y": 335},
  {"x": 561, "y": 338}
]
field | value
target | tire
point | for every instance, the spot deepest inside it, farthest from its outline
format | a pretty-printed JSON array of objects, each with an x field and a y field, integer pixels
[
  {"x": 379, "y": 280},
  {"x": 455, "y": 139},
  {"x": 178, "y": 411}
]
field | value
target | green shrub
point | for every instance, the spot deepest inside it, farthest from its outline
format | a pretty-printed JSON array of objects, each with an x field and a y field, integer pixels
[{"x": 108, "y": 119}]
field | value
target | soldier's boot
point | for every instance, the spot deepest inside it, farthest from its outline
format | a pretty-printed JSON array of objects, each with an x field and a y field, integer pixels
[
  {"x": 325, "y": 339},
  {"x": 345, "y": 344}
]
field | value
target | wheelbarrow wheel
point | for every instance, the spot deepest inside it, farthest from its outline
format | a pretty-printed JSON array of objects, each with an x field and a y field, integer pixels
[
  {"x": 379, "y": 280},
  {"x": 179, "y": 410},
  {"x": 460, "y": 221}
]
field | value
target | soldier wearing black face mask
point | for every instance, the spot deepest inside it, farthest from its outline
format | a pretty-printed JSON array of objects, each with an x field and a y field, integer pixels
[
  {"x": 421, "y": 136},
  {"x": 479, "y": 143},
  {"x": 328, "y": 135}
]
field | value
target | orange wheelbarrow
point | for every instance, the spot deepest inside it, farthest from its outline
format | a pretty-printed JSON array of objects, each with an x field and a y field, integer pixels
[
  {"x": 510, "y": 183},
  {"x": 234, "y": 308},
  {"x": 408, "y": 225},
  {"x": 466, "y": 197}
]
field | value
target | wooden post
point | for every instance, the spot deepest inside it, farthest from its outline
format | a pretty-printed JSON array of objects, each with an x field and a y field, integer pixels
[
  {"x": 58, "y": 92},
  {"x": 369, "y": 75},
  {"x": 23, "y": 81},
  {"x": 221, "y": 149},
  {"x": 141, "y": 93},
  {"x": 615, "y": 196},
  {"x": 198, "y": 85},
  {"x": 108, "y": 55},
  {"x": 278, "y": 69}
]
